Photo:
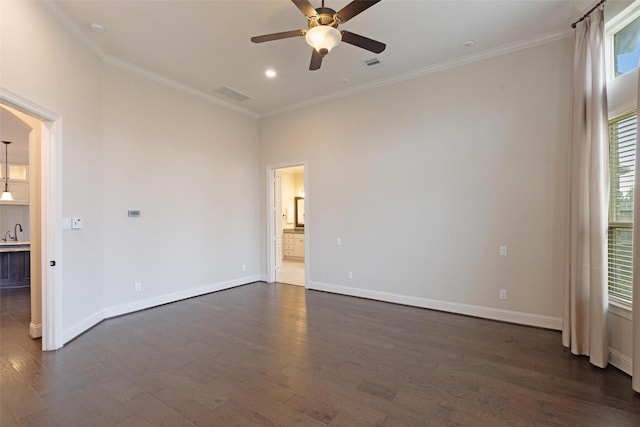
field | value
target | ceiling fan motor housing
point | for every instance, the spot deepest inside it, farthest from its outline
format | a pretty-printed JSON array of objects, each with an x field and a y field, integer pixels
[{"x": 326, "y": 16}]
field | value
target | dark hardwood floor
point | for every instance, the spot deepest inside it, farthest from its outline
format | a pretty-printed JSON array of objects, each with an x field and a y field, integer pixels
[{"x": 272, "y": 354}]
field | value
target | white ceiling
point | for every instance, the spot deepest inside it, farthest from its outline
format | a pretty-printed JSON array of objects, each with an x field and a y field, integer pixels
[{"x": 202, "y": 45}]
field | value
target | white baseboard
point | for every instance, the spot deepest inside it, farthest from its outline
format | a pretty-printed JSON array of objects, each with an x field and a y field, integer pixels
[
  {"x": 529, "y": 319},
  {"x": 121, "y": 309},
  {"x": 620, "y": 361},
  {"x": 35, "y": 331},
  {"x": 82, "y": 326}
]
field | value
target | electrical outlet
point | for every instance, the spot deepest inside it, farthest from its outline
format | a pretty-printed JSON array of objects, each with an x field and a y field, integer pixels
[
  {"x": 503, "y": 251},
  {"x": 502, "y": 294},
  {"x": 137, "y": 286},
  {"x": 339, "y": 241},
  {"x": 244, "y": 267},
  {"x": 350, "y": 275}
]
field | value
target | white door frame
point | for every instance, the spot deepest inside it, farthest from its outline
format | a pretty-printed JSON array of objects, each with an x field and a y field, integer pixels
[
  {"x": 277, "y": 234},
  {"x": 51, "y": 209},
  {"x": 271, "y": 256}
]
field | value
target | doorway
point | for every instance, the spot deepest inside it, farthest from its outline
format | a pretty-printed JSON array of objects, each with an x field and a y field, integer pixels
[
  {"x": 40, "y": 209},
  {"x": 289, "y": 225}
]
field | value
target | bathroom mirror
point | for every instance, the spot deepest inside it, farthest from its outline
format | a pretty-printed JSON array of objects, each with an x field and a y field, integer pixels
[{"x": 299, "y": 211}]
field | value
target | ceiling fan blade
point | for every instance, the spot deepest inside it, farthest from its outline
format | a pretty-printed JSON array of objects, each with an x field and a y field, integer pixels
[
  {"x": 363, "y": 42},
  {"x": 316, "y": 60},
  {"x": 305, "y": 7},
  {"x": 354, "y": 8},
  {"x": 278, "y": 36}
]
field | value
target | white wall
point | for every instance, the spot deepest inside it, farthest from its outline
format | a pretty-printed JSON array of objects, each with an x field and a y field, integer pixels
[
  {"x": 191, "y": 168},
  {"x": 298, "y": 184},
  {"x": 424, "y": 179},
  {"x": 44, "y": 63}
]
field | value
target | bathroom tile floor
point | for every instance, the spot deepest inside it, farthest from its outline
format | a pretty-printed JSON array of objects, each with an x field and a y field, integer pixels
[{"x": 291, "y": 272}]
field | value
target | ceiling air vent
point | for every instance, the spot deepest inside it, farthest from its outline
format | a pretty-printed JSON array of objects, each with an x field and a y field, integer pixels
[
  {"x": 232, "y": 93},
  {"x": 372, "y": 63}
]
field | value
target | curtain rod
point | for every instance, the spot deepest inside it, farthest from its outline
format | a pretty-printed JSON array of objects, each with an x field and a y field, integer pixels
[{"x": 588, "y": 13}]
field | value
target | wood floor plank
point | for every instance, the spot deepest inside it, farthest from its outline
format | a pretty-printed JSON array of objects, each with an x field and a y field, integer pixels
[
  {"x": 104, "y": 404},
  {"x": 270, "y": 404},
  {"x": 135, "y": 421},
  {"x": 44, "y": 418},
  {"x": 156, "y": 412},
  {"x": 316, "y": 409}
]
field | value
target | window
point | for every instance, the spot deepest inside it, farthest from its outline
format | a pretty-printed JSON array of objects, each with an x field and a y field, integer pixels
[
  {"x": 622, "y": 158},
  {"x": 623, "y": 41},
  {"x": 626, "y": 48}
]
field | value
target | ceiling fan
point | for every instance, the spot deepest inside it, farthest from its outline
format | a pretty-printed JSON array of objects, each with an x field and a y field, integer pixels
[{"x": 323, "y": 34}]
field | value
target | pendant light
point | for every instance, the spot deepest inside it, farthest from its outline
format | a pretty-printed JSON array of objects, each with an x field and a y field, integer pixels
[{"x": 6, "y": 194}]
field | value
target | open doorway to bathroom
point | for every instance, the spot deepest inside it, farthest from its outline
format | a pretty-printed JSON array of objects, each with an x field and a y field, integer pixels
[{"x": 289, "y": 225}]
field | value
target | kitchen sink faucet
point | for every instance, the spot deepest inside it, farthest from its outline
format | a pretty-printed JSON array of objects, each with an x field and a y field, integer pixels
[{"x": 15, "y": 232}]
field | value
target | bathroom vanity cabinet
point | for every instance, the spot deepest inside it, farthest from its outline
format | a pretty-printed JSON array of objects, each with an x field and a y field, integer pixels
[{"x": 293, "y": 244}]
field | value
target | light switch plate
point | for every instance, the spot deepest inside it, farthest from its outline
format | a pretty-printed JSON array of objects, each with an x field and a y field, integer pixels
[
  {"x": 66, "y": 223},
  {"x": 76, "y": 223}
]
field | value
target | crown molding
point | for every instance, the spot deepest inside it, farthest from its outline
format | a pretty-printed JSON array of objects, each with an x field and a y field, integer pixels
[
  {"x": 442, "y": 66},
  {"x": 434, "y": 68},
  {"x": 127, "y": 66},
  {"x": 72, "y": 27}
]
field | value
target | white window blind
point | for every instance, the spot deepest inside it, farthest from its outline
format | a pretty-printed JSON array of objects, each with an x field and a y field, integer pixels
[{"x": 622, "y": 158}]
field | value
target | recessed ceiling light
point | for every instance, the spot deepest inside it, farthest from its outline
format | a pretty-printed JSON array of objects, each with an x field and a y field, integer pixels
[
  {"x": 270, "y": 73},
  {"x": 97, "y": 28},
  {"x": 468, "y": 43}
]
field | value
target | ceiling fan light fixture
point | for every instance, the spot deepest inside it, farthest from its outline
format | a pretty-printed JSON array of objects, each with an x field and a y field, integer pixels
[{"x": 323, "y": 38}]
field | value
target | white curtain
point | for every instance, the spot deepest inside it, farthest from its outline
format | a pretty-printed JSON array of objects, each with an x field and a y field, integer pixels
[
  {"x": 586, "y": 300},
  {"x": 635, "y": 369}
]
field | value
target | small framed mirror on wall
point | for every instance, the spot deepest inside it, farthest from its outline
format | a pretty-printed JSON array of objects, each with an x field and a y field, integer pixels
[{"x": 299, "y": 211}]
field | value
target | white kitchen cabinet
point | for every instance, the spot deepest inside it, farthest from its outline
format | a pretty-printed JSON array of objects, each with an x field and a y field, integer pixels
[
  {"x": 18, "y": 183},
  {"x": 17, "y": 172}
]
